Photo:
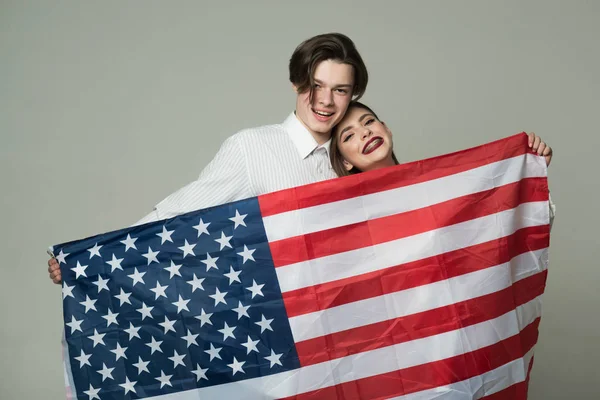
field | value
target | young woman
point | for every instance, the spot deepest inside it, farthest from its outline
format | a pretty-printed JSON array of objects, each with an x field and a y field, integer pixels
[{"x": 362, "y": 142}]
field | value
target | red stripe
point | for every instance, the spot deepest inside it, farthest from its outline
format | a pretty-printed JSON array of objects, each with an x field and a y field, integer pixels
[
  {"x": 434, "y": 374},
  {"x": 381, "y": 230},
  {"x": 390, "y": 178},
  {"x": 417, "y": 273},
  {"x": 420, "y": 325}
]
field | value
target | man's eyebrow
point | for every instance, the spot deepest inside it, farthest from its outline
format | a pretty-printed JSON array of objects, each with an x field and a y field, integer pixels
[{"x": 335, "y": 86}]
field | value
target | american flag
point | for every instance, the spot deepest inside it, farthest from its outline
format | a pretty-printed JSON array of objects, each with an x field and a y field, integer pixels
[{"x": 419, "y": 281}]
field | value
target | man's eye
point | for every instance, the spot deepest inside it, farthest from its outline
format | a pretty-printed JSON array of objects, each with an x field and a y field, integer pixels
[{"x": 342, "y": 91}]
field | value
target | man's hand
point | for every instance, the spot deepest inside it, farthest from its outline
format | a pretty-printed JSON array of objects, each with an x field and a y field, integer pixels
[
  {"x": 541, "y": 148},
  {"x": 54, "y": 271}
]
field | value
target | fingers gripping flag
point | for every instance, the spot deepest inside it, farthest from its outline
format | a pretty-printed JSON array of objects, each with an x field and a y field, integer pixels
[{"x": 409, "y": 282}]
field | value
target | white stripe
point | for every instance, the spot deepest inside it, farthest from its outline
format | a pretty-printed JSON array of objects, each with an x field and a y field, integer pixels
[
  {"x": 395, "y": 201},
  {"x": 479, "y": 386},
  {"x": 371, "y": 363},
  {"x": 418, "y": 299},
  {"x": 412, "y": 248}
]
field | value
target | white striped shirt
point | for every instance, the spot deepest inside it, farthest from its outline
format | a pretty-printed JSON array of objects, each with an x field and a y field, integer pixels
[{"x": 250, "y": 163}]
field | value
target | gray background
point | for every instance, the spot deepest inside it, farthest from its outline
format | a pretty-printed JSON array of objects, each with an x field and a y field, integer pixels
[{"x": 107, "y": 107}]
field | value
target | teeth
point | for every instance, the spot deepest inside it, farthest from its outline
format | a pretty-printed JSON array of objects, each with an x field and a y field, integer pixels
[
  {"x": 371, "y": 145},
  {"x": 323, "y": 113}
]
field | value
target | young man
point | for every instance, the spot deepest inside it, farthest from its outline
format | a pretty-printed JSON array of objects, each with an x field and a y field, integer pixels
[{"x": 327, "y": 72}]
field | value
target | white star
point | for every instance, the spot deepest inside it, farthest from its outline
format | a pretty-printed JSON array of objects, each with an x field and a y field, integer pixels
[
  {"x": 154, "y": 345},
  {"x": 111, "y": 318},
  {"x": 115, "y": 263},
  {"x": 241, "y": 310},
  {"x": 188, "y": 249},
  {"x": 164, "y": 379},
  {"x": 181, "y": 304},
  {"x": 237, "y": 366},
  {"x": 165, "y": 236},
  {"x": 119, "y": 352},
  {"x": 224, "y": 241},
  {"x": 102, "y": 284},
  {"x": 196, "y": 283},
  {"x": 61, "y": 257},
  {"x": 133, "y": 331},
  {"x": 151, "y": 256},
  {"x": 200, "y": 373},
  {"x": 204, "y": 318},
  {"x": 92, "y": 393},
  {"x": 213, "y": 352},
  {"x": 97, "y": 338},
  {"x": 95, "y": 251},
  {"x": 145, "y": 311},
  {"x": 67, "y": 291},
  {"x": 250, "y": 345},
  {"x": 234, "y": 276},
  {"x": 159, "y": 290},
  {"x": 128, "y": 385},
  {"x": 106, "y": 372},
  {"x": 255, "y": 289},
  {"x": 141, "y": 365},
  {"x": 202, "y": 227},
  {"x": 129, "y": 243},
  {"x": 89, "y": 304},
  {"x": 79, "y": 270},
  {"x": 84, "y": 359},
  {"x": 190, "y": 339},
  {"x": 274, "y": 358},
  {"x": 137, "y": 277},
  {"x": 168, "y": 324},
  {"x": 238, "y": 219},
  {"x": 173, "y": 270},
  {"x": 177, "y": 359},
  {"x": 264, "y": 324},
  {"x": 227, "y": 331},
  {"x": 218, "y": 296},
  {"x": 124, "y": 297},
  {"x": 210, "y": 262},
  {"x": 247, "y": 254},
  {"x": 75, "y": 325}
]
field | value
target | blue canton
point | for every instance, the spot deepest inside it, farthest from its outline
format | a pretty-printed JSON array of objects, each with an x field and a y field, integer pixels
[{"x": 174, "y": 305}]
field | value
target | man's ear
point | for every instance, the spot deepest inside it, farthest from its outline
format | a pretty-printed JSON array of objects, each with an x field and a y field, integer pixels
[
  {"x": 295, "y": 88},
  {"x": 347, "y": 165}
]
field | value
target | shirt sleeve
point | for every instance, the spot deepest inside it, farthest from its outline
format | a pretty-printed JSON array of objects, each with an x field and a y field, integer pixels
[{"x": 223, "y": 180}]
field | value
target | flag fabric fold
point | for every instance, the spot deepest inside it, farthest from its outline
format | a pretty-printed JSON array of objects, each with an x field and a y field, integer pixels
[{"x": 420, "y": 281}]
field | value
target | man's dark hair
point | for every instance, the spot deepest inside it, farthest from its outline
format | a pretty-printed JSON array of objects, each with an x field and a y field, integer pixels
[{"x": 328, "y": 46}]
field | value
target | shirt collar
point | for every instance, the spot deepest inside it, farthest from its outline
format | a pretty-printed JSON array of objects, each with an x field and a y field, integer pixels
[{"x": 305, "y": 143}]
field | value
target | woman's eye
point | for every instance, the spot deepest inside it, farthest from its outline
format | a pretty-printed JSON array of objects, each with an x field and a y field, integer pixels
[
  {"x": 348, "y": 136},
  {"x": 370, "y": 121}
]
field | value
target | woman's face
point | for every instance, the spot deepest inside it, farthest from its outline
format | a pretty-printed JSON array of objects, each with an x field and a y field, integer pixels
[{"x": 364, "y": 141}]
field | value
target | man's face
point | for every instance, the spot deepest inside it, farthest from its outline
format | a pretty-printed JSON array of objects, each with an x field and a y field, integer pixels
[{"x": 331, "y": 95}]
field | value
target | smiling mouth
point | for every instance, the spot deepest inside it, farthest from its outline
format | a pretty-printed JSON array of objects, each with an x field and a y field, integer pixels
[
  {"x": 372, "y": 145},
  {"x": 322, "y": 115}
]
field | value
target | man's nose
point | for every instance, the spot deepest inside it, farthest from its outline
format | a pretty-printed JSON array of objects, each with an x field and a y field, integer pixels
[{"x": 326, "y": 98}]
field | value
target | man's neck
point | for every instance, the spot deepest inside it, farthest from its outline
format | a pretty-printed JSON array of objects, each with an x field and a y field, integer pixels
[{"x": 320, "y": 138}]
